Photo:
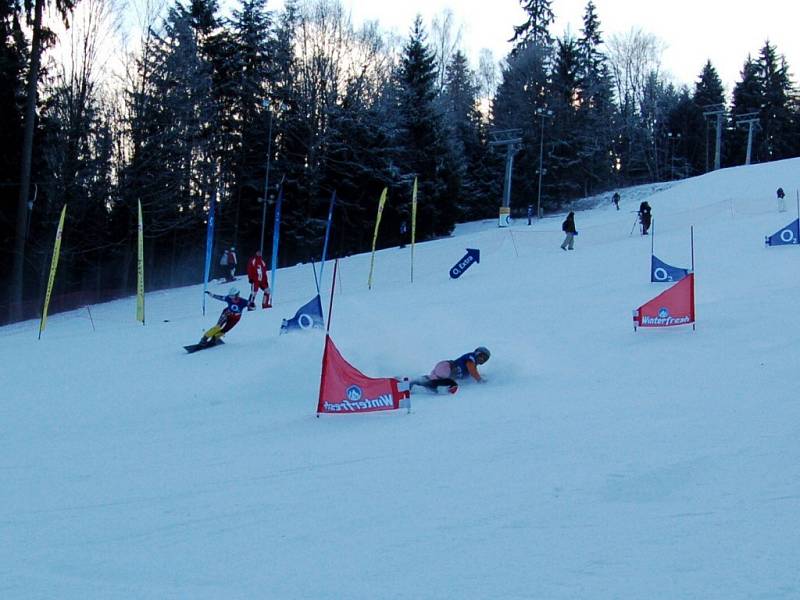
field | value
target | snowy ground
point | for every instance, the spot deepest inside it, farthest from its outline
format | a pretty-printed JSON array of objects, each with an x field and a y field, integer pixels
[{"x": 597, "y": 463}]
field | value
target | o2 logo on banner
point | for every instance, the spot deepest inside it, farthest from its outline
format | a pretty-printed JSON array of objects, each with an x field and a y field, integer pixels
[
  {"x": 787, "y": 236},
  {"x": 305, "y": 321},
  {"x": 354, "y": 393},
  {"x": 660, "y": 274}
]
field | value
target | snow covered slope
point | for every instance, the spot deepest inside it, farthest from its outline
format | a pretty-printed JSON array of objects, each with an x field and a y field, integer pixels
[{"x": 597, "y": 463}]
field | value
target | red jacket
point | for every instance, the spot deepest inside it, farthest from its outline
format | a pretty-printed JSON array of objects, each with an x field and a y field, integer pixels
[{"x": 257, "y": 271}]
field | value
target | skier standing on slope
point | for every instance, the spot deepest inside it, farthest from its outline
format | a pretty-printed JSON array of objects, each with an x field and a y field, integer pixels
[
  {"x": 781, "y": 203},
  {"x": 446, "y": 372},
  {"x": 228, "y": 319}
]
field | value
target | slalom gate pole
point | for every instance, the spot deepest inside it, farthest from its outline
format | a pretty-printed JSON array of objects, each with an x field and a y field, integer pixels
[
  {"x": 330, "y": 303},
  {"x": 316, "y": 281},
  {"x": 88, "y": 310},
  {"x": 694, "y": 323},
  {"x": 652, "y": 237}
]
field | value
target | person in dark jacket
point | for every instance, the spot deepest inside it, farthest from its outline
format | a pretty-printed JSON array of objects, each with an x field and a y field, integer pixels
[
  {"x": 615, "y": 199},
  {"x": 645, "y": 218},
  {"x": 568, "y": 227},
  {"x": 445, "y": 372}
]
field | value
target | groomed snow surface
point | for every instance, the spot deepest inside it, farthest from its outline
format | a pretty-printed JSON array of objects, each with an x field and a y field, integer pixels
[{"x": 596, "y": 463}]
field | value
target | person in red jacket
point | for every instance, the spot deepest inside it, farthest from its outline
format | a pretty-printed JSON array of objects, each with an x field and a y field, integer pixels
[{"x": 257, "y": 275}]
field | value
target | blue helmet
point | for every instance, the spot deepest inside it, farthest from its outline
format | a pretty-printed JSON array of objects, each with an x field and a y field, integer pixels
[{"x": 482, "y": 351}]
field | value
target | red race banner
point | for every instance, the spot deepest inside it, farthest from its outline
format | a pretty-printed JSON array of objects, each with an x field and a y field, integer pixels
[
  {"x": 345, "y": 389},
  {"x": 674, "y": 306}
]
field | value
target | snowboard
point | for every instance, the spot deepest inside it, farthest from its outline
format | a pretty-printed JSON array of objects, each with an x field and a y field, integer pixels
[
  {"x": 426, "y": 383},
  {"x": 196, "y": 347}
]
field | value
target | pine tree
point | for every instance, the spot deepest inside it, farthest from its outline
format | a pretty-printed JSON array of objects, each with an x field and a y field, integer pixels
[
  {"x": 12, "y": 90},
  {"x": 247, "y": 122},
  {"x": 536, "y": 29},
  {"x": 597, "y": 114},
  {"x": 523, "y": 89},
  {"x": 777, "y": 119},
  {"x": 422, "y": 148},
  {"x": 467, "y": 136},
  {"x": 564, "y": 179}
]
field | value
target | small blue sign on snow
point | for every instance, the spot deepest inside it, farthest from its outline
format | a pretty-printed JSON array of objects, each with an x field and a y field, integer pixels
[
  {"x": 788, "y": 235},
  {"x": 473, "y": 255}
]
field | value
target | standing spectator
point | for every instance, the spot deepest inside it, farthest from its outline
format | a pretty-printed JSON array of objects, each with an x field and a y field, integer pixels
[
  {"x": 568, "y": 227},
  {"x": 228, "y": 263},
  {"x": 403, "y": 232},
  {"x": 257, "y": 276},
  {"x": 645, "y": 218},
  {"x": 615, "y": 199},
  {"x": 781, "y": 201}
]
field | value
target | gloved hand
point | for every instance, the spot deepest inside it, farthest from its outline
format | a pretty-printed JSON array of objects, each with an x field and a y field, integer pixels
[{"x": 207, "y": 292}]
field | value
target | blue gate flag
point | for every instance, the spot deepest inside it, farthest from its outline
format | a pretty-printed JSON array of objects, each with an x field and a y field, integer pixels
[
  {"x": 661, "y": 272},
  {"x": 209, "y": 246},
  {"x": 788, "y": 235},
  {"x": 307, "y": 316},
  {"x": 472, "y": 256},
  {"x": 327, "y": 235},
  {"x": 276, "y": 232}
]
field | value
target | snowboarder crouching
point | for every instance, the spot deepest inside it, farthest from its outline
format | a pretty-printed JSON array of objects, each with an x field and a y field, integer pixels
[
  {"x": 228, "y": 319},
  {"x": 446, "y": 372}
]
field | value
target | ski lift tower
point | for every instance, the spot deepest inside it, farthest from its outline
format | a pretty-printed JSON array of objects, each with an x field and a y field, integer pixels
[
  {"x": 718, "y": 111},
  {"x": 512, "y": 140},
  {"x": 753, "y": 122}
]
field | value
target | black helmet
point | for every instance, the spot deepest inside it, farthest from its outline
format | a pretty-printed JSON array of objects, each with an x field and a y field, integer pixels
[{"x": 482, "y": 350}]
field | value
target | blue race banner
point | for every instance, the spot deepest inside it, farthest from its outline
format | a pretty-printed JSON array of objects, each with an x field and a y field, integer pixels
[
  {"x": 788, "y": 235},
  {"x": 472, "y": 256},
  {"x": 276, "y": 232},
  {"x": 209, "y": 246},
  {"x": 327, "y": 235},
  {"x": 661, "y": 272},
  {"x": 307, "y": 316}
]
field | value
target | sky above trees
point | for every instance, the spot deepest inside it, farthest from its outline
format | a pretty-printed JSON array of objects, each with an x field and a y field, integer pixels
[{"x": 693, "y": 32}]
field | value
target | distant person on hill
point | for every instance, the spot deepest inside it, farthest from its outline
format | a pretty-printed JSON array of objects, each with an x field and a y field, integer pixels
[
  {"x": 228, "y": 318},
  {"x": 568, "y": 227},
  {"x": 615, "y": 199},
  {"x": 645, "y": 216},
  {"x": 228, "y": 263},
  {"x": 781, "y": 201},
  {"x": 445, "y": 373},
  {"x": 403, "y": 232},
  {"x": 257, "y": 276}
]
